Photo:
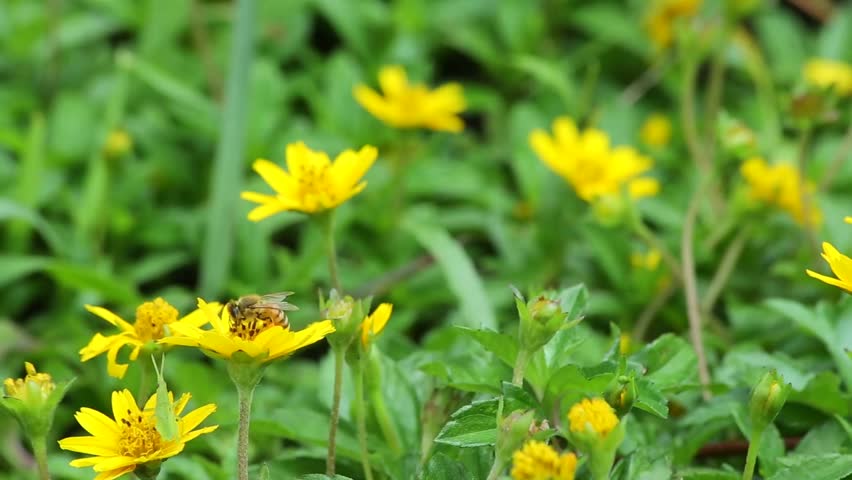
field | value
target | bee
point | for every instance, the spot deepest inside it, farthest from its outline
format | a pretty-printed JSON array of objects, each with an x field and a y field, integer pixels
[{"x": 252, "y": 314}]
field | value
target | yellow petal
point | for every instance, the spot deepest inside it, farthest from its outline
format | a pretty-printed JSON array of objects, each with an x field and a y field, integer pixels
[
  {"x": 194, "y": 418},
  {"x": 191, "y": 435},
  {"x": 123, "y": 405},
  {"x": 349, "y": 166},
  {"x": 111, "y": 318},
  {"x": 830, "y": 280},
  {"x": 113, "y": 474},
  {"x": 97, "y": 423},
  {"x": 90, "y": 446},
  {"x": 643, "y": 187},
  {"x": 372, "y": 102},
  {"x": 115, "y": 463},
  {"x": 565, "y": 131},
  {"x": 275, "y": 176},
  {"x": 375, "y": 322},
  {"x": 114, "y": 368},
  {"x": 393, "y": 80}
]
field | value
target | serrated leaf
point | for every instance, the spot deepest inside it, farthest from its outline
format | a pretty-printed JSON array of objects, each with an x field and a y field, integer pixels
[
  {"x": 650, "y": 398},
  {"x": 442, "y": 467},
  {"x": 830, "y": 466},
  {"x": 503, "y": 346}
]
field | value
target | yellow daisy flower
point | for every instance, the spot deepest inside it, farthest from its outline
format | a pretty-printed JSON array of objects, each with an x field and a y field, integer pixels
[
  {"x": 824, "y": 73},
  {"x": 374, "y": 323},
  {"x": 656, "y": 131},
  {"x": 154, "y": 321},
  {"x": 592, "y": 415},
  {"x": 539, "y": 461},
  {"x": 35, "y": 386},
  {"x": 312, "y": 183},
  {"x": 646, "y": 261},
  {"x": 410, "y": 106},
  {"x": 840, "y": 264},
  {"x": 130, "y": 440},
  {"x": 261, "y": 340},
  {"x": 663, "y": 16},
  {"x": 586, "y": 160},
  {"x": 780, "y": 185}
]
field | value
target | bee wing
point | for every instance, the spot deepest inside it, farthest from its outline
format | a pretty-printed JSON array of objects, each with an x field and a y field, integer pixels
[{"x": 276, "y": 300}]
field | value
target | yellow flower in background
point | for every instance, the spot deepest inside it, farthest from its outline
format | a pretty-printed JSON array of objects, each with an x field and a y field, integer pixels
[
  {"x": 592, "y": 414},
  {"x": 118, "y": 143},
  {"x": 840, "y": 264},
  {"x": 312, "y": 183},
  {"x": 154, "y": 321},
  {"x": 780, "y": 185},
  {"x": 656, "y": 131},
  {"x": 407, "y": 105},
  {"x": 261, "y": 340},
  {"x": 662, "y": 17},
  {"x": 374, "y": 323},
  {"x": 646, "y": 261},
  {"x": 34, "y": 386},
  {"x": 130, "y": 440},
  {"x": 539, "y": 461},
  {"x": 824, "y": 73},
  {"x": 586, "y": 160}
]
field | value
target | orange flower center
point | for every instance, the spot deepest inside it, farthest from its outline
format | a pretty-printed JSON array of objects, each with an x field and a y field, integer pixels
[
  {"x": 315, "y": 188},
  {"x": 139, "y": 436},
  {"x": 248, "y": 328},
  {"x": 150, "y": 318}
]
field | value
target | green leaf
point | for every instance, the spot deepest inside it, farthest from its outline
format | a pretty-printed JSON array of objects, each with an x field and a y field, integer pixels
[
  {"x": 650, "y": 398},
  {"x": 461, "y": 275},
  {"x": 830, "y": 466},
  {"x": 670, "y": 362},
  {"x": 573, "y": 379},
  {"x": 503, "y": 346},
  {"x": 13, "y": 267},
  {"x": 823, "y": 393},
  {"x": 706, "y": 474},
  {"x": 475, "y": 425},
  {"x": 442, "y": 467},
  {"x": 320, "y": 476},
  {"x": 79, "y": 277}
]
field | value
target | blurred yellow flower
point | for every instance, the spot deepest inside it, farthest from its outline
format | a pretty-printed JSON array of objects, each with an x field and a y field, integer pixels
[
  {"x": 663, "y": 15},
  {"x": 410, "y": 106},
  {"x": 586, "y": 161},
  {"x": 592, "y": 414},
  {"x": 374, "y": 323},
  {"x": 131, "y": 440},
  {"x": 840, "y": 264},
  {"x": 261, "y": 340},
  {"x": 154, "y": 321},
  {"x": 312, "y": 183},
  {"x": 118, "y": 143},
  {"x": 780, "y": 185},
  {"x": 656, "y": 131},
  {"x": 539, "y": 461},
  {"x": 646, "y": 261},
  {"x": 824, "y": 73},
  {"x": 34, "y": 386}
]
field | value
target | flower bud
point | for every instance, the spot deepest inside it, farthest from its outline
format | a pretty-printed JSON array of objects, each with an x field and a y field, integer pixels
[
  {"x": 767, "y": 399},
  {"x": 118, "y": 143},
  {"x": 596, "y": 431},
  {"x": 33, "y": 400},
  {"x": 541, "y": 318},
  {"x": 340, "y": 311},
  {"x": 610, "y": 210},
  {"x": 512, "y": 432},
  {"x": 622, "y": 395}
]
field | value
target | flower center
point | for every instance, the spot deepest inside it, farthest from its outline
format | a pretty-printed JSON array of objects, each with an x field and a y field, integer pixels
[
  {"x": 139, "y": 436},
  {"x": 34, "y": 385},
  {"x": 248, "y": 328},
  {"x": 150, "y": 318},
  {"x": 314, "y": 185}
]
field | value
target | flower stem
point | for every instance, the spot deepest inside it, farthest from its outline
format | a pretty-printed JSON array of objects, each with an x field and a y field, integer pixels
[
  {"x": 380, "y": 408},
  {"x": 520, "y": 366},
  {"x": 331, "y": 250},
  {"x": 751, "y": 456},
  {"x": 245, "y": 395},
  {"x": 144, "y": 377},
  {"x": 39, "y": 445},
  {"x": 335, "y": 412},
  {"x": 361, "y": 414},
  {"x": 496, "y": 469}
]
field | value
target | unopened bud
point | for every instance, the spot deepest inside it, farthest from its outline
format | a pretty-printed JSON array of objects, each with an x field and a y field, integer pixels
[
  {"x": 767, "y": 399},
  {"x": 33, "y": 400}
]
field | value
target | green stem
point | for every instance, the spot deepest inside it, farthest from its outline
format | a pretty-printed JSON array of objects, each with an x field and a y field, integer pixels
[
  {"x": 335, "y": 412},
  {"x": 726, "y": 268},
  {"x": 331, "y": 250},
  {"x": 496, "y": 469},
  {"x": 245, "y": 395},
  {"x": 144, "y": 377},
  {"x": 39, "y": 445},
  {"x": 361, "y": 414},
  {"x": 520, "y": 366},
  {"x": 383, "y": 416},
  {"x": 751, "y": 456}
]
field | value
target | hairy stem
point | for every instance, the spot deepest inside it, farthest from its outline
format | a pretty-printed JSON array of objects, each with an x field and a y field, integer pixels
[
  {"x": 245, "y": 395},
  {"x": 751, "y": 456},
  {"x": 520, "y": 366},
  {"x": 40, "y": 453},
  {"x": 335, "y": 413},
  {"x": 361, "y": 414},
  {"x": 331, "y": 251}
]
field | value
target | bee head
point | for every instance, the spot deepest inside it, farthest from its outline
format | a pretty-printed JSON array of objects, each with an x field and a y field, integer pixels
[{"x": 233, "y": 309}]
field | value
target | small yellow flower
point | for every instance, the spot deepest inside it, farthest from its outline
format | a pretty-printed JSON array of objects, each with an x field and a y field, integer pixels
[
  {"x": 411, "y": 106},
  {"x": 586, "y": 161},
  {"x": 592, "y": 414},
  {"x": 154, "y": 321},
  {"x": 539, "y": 461},
  {"x": 312, "y": 183},
  {"x": 663, "y": 16},
  {"x": 840, "y": 264},
  {"x": 118, "y": 446},
  {"x": 34, "y": 387},
  {"x": 646, "y": 261},
  {"x": 780, "y": 185},
  {"x": 374, "y": 323},
  {"x": 624, "y": 344},
  {"x": 118, "y": 143},
  {"x": 824, "y": 73},
  {"x": 656, "y": 131},
  {"x": 260, "y": 340}
]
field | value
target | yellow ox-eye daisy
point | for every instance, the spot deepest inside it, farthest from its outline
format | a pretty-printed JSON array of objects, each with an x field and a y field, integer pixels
[
  {"x": 539, "y": 461},
  {"x": 780, "y": 185},
  {"x": 664, "y": 15},
  {"x": 261, "y": 341},
  {"x": 411, "y": 106},
  {"x": 840, "y": 264},
  {"x": 154, "y": 320},
  {"x": 312, "y": 183},
  {"x": 824, "y": 73},
  {"x": 592, "y": 415},
  {"x": 374, "y": 323},
  {"x": 131, "y": 440},
  {"x": 586, "y": 160}
]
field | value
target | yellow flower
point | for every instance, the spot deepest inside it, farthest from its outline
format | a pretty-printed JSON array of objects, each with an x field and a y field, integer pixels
[
  {"x": 117, "y": 143},
  {"x": 656, "y": 131},
  {"x": 410, "y": 106},
  {"x": 374, "y": 323},
  {"x": 780, "y": 185},
  {"x": 647, "y": 261},
  {"x": 261, "y": 340},
  {"x": 586, "y": 160},
  {"x": 539, "y": 461},
  {"x": 592, "y": 414},
  {"x": 34, "y": 387},
  {"x": 312, "y": 183},
  {"x": 118, "y": 446},
  {"x": 154, "y": 320},
  {"x": 840, "y": 264},
  {"x": 824, "y": 73},
  {"x": 663, "y": 16}
]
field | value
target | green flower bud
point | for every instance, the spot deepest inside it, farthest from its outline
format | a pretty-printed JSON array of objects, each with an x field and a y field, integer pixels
[
  {"x": 622, "y": 395},
  {"x": 512, "y": 432},
  {"x": 610, "y": 210},
  {"x": 546, "y": 314},
  {"x": 32, "y": 400},
  {"x": 767, "y": 399},
  {"x": 340, "y": 311}
]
